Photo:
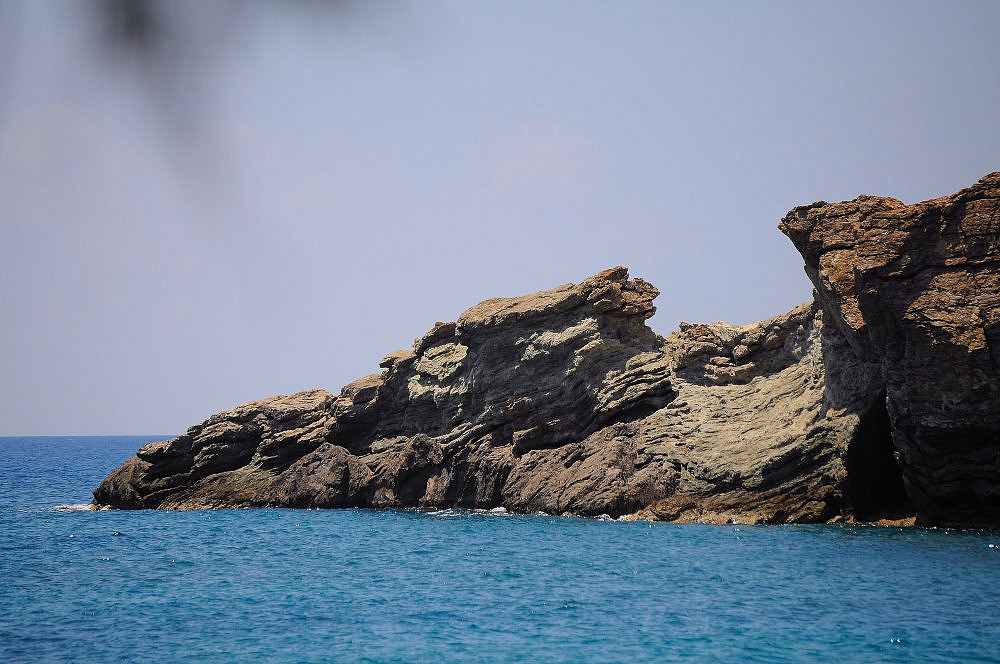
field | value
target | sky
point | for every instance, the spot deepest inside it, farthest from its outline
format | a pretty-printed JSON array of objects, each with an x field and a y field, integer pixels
[{"x": 288, "y": 194}]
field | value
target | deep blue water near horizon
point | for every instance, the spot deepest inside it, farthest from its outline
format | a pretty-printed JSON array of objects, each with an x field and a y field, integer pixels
[{"x": 272, "y": 585}]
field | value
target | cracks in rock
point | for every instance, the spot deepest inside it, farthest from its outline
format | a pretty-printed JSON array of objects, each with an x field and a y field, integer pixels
[{"x": 902, "y": 274}]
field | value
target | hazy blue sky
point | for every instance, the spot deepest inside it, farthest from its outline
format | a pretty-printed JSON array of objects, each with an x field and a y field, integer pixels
[{"x": 311, "y": 192}]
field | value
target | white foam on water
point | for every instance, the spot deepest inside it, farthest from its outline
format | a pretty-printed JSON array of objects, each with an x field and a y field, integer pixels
[
  {"x": 452, "y": 511},
  {"x": 75, "y": 507},
  {"x": 445, "y": 512}
]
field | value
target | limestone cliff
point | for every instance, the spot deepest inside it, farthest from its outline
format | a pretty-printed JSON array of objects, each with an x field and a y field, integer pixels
[{"x": 566, "y": 402}]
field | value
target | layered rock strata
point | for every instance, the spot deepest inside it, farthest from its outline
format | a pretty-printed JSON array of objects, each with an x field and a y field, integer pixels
[
  {"x": 915, "y": 290},
  {"x": 566, "y": 402}
]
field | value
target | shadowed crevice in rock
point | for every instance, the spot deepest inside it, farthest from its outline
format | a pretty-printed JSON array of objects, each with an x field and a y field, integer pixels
[{"x": 875, "y": 484}]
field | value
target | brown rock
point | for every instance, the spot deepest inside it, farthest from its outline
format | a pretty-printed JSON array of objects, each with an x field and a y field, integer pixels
[{"x": 915, "y": 289}]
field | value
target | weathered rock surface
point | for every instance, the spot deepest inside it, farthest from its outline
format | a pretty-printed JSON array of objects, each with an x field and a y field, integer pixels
[
  {"x": 915, "y": 289},
  {"x": 877, "y": 400},
  {"x": 563, "y": 402}
]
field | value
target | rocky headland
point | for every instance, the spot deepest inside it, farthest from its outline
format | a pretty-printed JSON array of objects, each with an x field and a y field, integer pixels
[{"x": 879, "y": 400}]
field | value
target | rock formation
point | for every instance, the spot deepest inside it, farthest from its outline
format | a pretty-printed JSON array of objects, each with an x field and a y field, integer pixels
[
  {"x": 879, "y": 399},
  {"x": 915, "y": 290}
]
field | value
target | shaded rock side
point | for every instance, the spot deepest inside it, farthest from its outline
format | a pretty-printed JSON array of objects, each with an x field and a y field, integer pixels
[
  {"x": 564, "y": 402},
  {"x": 915, "y": 290}
]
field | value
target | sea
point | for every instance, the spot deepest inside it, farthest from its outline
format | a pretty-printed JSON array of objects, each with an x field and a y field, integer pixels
[{"x": 274, "y": 585}]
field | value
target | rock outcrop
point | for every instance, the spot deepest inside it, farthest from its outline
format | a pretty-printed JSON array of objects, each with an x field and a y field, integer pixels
[
  {"x": 878, "y": 400},
  {"x": 915, "y": 290}
]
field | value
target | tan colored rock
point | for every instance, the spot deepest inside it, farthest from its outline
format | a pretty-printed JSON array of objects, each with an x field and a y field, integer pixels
[{"x": 916, "y": 290}]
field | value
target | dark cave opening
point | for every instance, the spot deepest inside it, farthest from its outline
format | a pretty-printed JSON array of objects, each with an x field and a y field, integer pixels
[{"x": 874, "y": 480}]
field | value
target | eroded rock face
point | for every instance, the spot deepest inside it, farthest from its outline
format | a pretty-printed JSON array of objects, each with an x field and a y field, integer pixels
[
  {"x": 915, "y": 289},
  {"x": 444, "y": 423},
  {"x": 878, "y": 400},
  {"x": 563, "y": 401}
]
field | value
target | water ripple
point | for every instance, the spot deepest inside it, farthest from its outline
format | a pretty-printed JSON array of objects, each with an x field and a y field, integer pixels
[{"x": 469, "y": 585}]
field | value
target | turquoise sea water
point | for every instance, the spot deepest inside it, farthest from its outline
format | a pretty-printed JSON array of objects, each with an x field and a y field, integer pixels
[{"x": 460, "y": 586}]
